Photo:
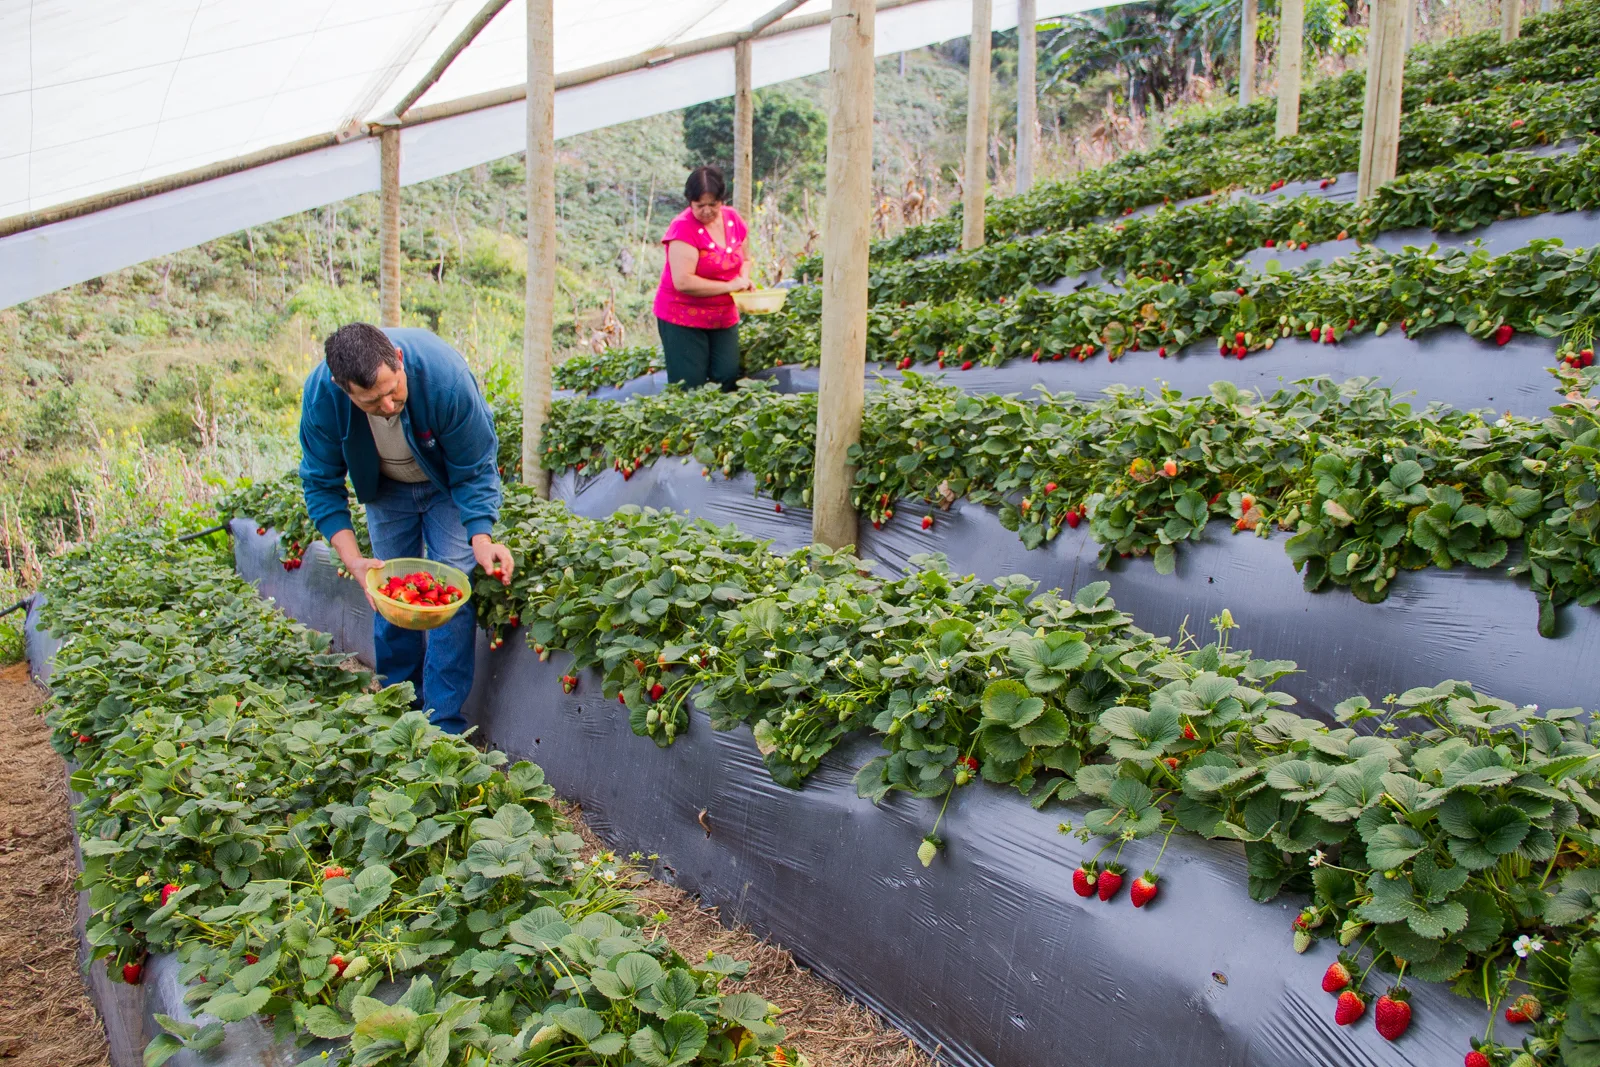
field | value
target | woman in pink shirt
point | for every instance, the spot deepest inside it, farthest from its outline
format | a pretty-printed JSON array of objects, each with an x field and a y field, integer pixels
[{"x": 697, "y": 317}]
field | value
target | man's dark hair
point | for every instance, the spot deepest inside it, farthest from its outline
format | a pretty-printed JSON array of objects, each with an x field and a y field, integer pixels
[
  {"x": 356, "y": 351},
  {"x": 703, "y": 180}
]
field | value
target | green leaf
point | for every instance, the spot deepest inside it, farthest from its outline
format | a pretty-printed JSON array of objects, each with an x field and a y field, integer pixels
[
  {"x": 160, "y": 1050},
  {"x": 678, "y": 1042},
  {"x": 231, "y": 1007},
  {"x": 319, "y": 1020}
]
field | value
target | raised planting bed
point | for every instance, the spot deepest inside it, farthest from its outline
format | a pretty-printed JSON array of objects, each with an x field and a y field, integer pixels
[
  {"x": 241, "y": 800},
  {"x": 987, "y": 954}
]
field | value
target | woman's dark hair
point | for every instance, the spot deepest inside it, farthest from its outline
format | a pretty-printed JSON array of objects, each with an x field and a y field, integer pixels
[
  {"x": 704, "y": 180},
  {"x": 355, "y": 352}
]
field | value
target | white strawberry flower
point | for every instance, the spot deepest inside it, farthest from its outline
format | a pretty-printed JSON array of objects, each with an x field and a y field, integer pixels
[
  {"x": 1525, "y": 946},
  {"x": 770, "y": 654},
  {"x": 1318, "y": 858}
]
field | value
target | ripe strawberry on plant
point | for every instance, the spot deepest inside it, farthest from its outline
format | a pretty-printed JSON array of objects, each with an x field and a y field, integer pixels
[
  {"x": 166, "y": 893},
  {"x": 657, "y": 691},
  {"x": 133, "y": 973},
  {"x": 927, "y": 522},
  {"x": 1144, "y": 889},
  {"x": 1085, "y": 878},
  {"x": 1336, "y": 977},
  {"x": 334, "y": 872},
  {"x": 1350, "y": 1008},
  {"x": 1073, "y": 518},
  {"x": 1393, "y": 1014},
  {"x": 1525, "y": 1009},
  {"x": 1110, "y": 881},
  {"x": 1502, "y": 333},
  {"x": 1475, "y": 1058}
]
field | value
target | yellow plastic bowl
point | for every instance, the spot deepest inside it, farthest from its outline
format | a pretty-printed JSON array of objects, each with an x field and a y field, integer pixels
[
  {"x": 760, "y": 301},
  {"x": 417, "y": 616}
]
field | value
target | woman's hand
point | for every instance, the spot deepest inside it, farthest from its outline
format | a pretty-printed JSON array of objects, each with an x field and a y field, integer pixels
[{"x": 742, "y": 282}]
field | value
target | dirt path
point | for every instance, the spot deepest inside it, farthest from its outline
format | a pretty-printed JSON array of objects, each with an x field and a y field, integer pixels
[
  {"x": 46, "y": 1018},
  {"x": 828, "y": 1027}
]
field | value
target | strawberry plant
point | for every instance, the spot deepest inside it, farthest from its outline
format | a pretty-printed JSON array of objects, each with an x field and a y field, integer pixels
[
  {"x": 297, "y": 839},
  {"x": 585, "y": 373}
]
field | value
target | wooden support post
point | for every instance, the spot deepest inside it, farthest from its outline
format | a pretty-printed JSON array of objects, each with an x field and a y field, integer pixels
[
  {"x": 1380, "y": 118},
  {"x": 975, "y": 182},
  {"x": 1027, "y": 91},
  {"x": 1247, "y": 52},
  {"x": 848, "y": 232},
  {"x": 1291, "y": 32},
  {"x": 538, "y": 322},
  {"x": 389, "y": 227},
  {"x": 1510, "y": 20},
  {"x": 744, "y": 118},
  {"x": 1411, "y": 17}
]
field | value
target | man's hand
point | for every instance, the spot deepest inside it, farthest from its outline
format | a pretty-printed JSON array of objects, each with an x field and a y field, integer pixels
[
  {"x": 344, "y": 543},
  {"x": 493, "y": 557}
]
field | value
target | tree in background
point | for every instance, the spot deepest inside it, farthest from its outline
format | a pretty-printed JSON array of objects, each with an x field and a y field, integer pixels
[
  {"x": 1157, "y": 47},
  {"x": 791, "y": 137}
]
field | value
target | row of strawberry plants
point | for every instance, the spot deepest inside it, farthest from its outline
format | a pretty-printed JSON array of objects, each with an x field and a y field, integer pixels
[
  {"x": 1543, "y": 289},
  {"x": 1466, "y": 193},
  {"x": 1462, "y": 195},
  {"x": 1515, "y": 116},
  {"x": 1551, "y": 50},
  {"x": 1450, "y": 838},
  {"x": 299, "y": 839},
  {"x": 1366, "y": 486},
  {"x": 586, "y": 373},
  {"x": 1185, "y": 165}
]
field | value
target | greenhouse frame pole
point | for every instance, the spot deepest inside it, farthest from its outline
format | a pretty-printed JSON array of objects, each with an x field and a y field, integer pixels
[
  {"x": 1291, "y": 34},
  {"x": 1380, "y": 117},
  {"x": 848, "y": 233},
  {"x": 1510, "y": 20},
  {"x": 538, "y": 324},
  {"x": 389, "y": 226},
  {"x": 975, "y": 179},
  {"x": 1247, "y": 52},
  {"x": 1027, "y": 91},
  {"x": 743, "y": 132}
]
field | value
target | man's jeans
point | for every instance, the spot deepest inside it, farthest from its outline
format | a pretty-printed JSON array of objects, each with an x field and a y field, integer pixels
[{"x": 438, "y": 662}]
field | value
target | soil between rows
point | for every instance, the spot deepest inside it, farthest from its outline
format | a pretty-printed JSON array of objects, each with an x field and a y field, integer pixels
[{"x": 46, "y": 1016}]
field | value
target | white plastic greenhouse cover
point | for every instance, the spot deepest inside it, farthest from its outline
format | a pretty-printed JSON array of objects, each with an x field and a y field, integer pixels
[{"x": 97, "y": 97}]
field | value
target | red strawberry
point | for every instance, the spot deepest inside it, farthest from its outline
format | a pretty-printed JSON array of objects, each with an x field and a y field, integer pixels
[
  {"x": 1083, "y": 880},
  {"x": 1503, "y": 333},
  {"x": 1392, "y": 1015},
  {"x": 1049, "y": 487},
  {"x": 1516, "y": 124},
  {"x": 1336, "y": 977},
  {"x": 1304, "y": 245},
  {"x": 905, "y": 363},
  {"x": 1143, "y": 890},
  {"x": 927, "y": 522},
  {"x": 1171, "y": 762},
  {"x": 166, "y": 893},
  {"x": 1162, "y": 352},
  {"x": 1344, "y": 235},
  {"x": 1239, "y": 351},
  {"x": 1073, "y": 518},
  {"x": 778, "y": 508},
  {"x": 1188, "y": 732},
  {"x": 1240, "y": 290},
  {"x": 1525, "y": 1009},
  {"x": 1238, "y": 338},
  {"x": 966, "y": 365},
  {"x": 1587, "y": 356},
  {"x": 251, "y": 958},
  {"x": 133, "y": 973},
  {"x": 1110, "y": 881},
  {"x": 1477, "y": 1059},
  {"x": 622, "y": 698},
  {"x": 261, "y": 531},
  {"x": 334, "y": 872},
  {"x": 657, "y": 691},
  {"x": 1170, "y": 468},
  {"x": 339, "y": 964},
  {"x": 1349, "y": 1009},
  {"x": 1270, "y": 242}
]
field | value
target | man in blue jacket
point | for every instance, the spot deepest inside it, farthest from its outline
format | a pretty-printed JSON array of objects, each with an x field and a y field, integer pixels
[{"x": 399, "y": 412}]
